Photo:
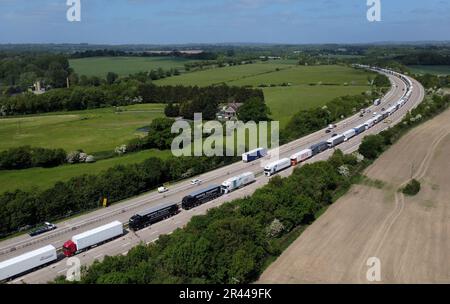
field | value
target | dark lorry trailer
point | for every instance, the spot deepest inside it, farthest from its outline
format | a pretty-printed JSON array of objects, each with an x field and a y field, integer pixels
[
  {"x": 318, "y": 148},
  {"x": 153, "y": 215},
  {"x": 201, "y": 196}
]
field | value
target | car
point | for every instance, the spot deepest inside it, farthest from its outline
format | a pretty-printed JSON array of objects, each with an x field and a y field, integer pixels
[
  {"x": 383, "y": 109},
  {"x": 162, "y": 189},
  {"x": 374, "y": 114},
  {"x": 327, "y": 131},
  {"x": 46, "y": 227},
  {"x": 361, "y": 115},
  {"x": 334, "y": 135},
  {"x": 196, "y": 181}
]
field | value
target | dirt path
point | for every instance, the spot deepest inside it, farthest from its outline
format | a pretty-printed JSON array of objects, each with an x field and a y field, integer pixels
[{"x": 409, "y": 235}]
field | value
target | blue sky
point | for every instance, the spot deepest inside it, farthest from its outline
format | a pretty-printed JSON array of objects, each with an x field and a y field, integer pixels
[{"x": 210, "y": 21}]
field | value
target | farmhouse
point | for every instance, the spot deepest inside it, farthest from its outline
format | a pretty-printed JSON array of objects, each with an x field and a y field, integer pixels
[{"x": 229, "y": 112}]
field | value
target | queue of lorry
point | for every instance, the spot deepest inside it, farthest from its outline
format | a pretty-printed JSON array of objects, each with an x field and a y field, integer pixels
[{"x": 97, "y": 236}]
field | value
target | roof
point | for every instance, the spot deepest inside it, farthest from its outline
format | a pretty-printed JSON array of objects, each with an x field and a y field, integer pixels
[
  {"x": 254, "y": 151},
  {"x": 197, "y": 192},
  {"x": 155, "y": 208},
  {"x": 27, "y": 256}
]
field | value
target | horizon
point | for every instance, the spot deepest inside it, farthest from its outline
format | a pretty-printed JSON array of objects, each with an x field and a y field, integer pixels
[{"x": 174, "y": 22}]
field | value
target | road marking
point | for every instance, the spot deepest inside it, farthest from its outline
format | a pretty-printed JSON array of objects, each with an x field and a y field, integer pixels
[
  {"x": 97, "y": 256},
  {"x": 65, "y": 269},
  {"x": 154, "y": 232},
  {"x": 124, "y": 245}
]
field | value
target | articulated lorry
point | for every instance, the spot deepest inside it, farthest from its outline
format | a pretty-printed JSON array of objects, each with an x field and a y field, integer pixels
[
  {"x": 237, "y": 182},
  {"x": 301, "y": 156},
  {"x": 277, "y": 166},
  {"x": 91, "y": 238},
  {"x": 27, "y": 262},
  {"x": 254, "y": 155}
]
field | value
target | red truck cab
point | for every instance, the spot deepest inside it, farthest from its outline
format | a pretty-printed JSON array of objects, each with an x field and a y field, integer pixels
[{"x": 69, "y": 248}]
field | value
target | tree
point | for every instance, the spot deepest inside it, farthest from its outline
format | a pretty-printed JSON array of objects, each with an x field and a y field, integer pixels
[
  {"x": 111, "y": 77},
  {"x": 372, "y": 146},
  {"x": 255, "y": 110}
]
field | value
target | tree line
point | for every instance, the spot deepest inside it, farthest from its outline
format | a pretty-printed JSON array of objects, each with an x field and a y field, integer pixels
[
  {"x": 19, "y": 71},
  {"x": 27, "y": 157},
  {"x": 22, "y": 209},
  {"x": 126, "y": 92},
  {"x": 311, "y": 120}
]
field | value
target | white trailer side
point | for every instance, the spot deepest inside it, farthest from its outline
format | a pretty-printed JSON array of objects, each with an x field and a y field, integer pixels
[
  {"x": 27, "y": 261},
  {"x": 98, "y": 235}
]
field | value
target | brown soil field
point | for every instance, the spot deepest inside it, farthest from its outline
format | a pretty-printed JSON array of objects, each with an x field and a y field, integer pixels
[{"x": 409, "y": 235}]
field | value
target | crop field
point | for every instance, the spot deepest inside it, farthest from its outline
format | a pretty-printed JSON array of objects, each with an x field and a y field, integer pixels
[
  {"x": 91, "y": 130},
  {"x": 430, "y": 69},
  {"x": 409, "y": 234},
  {"x": 123, "y": 66},
  {"x": 44, "y": 178}
]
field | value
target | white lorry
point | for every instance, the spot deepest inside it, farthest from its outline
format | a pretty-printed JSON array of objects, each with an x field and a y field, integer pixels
[
  {"x": 301, "y": 156},
  {"x": 28, "y": 261},
  {"x": 277, "y": 166},
  {"x": 237, "y": 182},
  {"x": 92, "y": 237}
]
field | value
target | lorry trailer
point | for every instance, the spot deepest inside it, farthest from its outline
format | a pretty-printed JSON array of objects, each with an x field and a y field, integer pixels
[
  {"x": 277, "y": 166},
  {"x": 254, "y": 155},
  {"x": 91, "y": 238},
  {"x": 319, "y": 147},
  {"x": 370, "y": 123},
  {"x": 359, "y": 129},
  {"x": 237, "y": 182},
  {"x": 26, "y": 262},
  {"x": 201, "y": 196},
  {"x": 335, "y": 140},
  {"x": 349, "y": 134},
  {"x": 301, "y": 156},
  {"x": 153, "y": 215}
]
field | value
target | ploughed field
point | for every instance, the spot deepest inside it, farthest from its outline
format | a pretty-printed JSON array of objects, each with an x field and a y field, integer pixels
[{"x": 409, "y": 235}]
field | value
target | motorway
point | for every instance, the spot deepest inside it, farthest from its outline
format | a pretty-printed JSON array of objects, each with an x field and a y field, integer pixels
[{"x": 124, "y": 210}]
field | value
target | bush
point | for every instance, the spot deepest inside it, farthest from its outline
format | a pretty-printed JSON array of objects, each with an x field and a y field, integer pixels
[
  {"x": 26, "y": 157},
  {"x": 412, "y": 188},
  {"x": 372, "y": 146}
]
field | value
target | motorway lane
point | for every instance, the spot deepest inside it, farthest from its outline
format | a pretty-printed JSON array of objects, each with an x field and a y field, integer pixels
[{"x": 126, "y": 242}]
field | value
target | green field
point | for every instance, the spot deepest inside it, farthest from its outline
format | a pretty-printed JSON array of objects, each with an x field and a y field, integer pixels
[
  {"x": 286, "y": 101},
  {"x": 123, "y": 66},
  {"x": 45, "y": 178},
  {"x": 330, "y": 81},
  {"x": 430, "y": 69},
  {"x": 91, "y": 130},
  {"x": 226, "y": 74}
]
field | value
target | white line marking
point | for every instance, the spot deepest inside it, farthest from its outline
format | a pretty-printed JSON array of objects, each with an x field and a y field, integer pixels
[{"x": 65, "y": 269}]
